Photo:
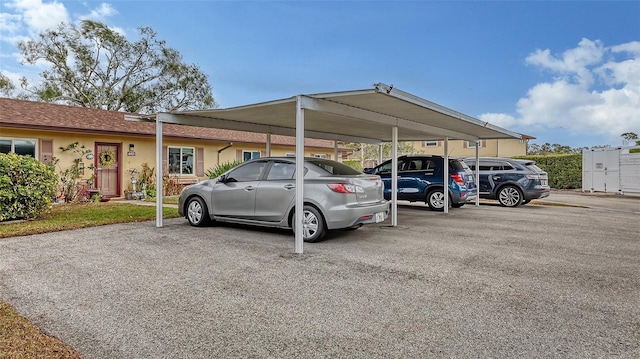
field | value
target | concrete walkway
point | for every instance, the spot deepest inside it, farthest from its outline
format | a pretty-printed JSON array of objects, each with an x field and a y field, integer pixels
[{"x": 616, "y": 202}]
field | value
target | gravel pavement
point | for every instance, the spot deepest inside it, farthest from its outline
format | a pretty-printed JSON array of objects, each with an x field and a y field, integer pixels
[{"x": 551, "y": 281}]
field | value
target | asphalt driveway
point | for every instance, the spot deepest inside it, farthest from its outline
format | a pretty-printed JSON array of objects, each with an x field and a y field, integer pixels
[{"x": 533, "y": 281}]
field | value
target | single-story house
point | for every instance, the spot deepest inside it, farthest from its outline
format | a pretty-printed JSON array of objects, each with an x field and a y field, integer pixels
[{"x": 118, "y": 146}]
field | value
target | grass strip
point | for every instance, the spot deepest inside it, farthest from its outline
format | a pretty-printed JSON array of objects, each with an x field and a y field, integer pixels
[
  {"x": 68, "y": 216},
  {"x": 21, "y": 339}
]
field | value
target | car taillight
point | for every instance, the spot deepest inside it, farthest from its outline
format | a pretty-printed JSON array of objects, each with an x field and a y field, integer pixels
[
  {"x": 534, "y": 177},
  {"x": 345, "y": 188},
  {"x": 456, "y": 177}
]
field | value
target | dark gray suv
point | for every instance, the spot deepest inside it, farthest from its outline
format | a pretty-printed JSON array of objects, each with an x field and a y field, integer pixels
[{"x": 512, "y": 182}]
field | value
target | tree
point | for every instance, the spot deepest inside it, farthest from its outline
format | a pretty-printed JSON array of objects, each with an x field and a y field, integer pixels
[
  {"x": 93, "y": 66},
  {"x": 548, "y": 149},
  {"x": 369, "y": 152},
  {"x": 631, "y": 137},
  {"x": 6, "y": 85}
]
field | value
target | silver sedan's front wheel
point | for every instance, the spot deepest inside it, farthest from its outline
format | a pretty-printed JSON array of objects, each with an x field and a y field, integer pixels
[
  {"x": 197, "y": 213},
  {"x": 509, "y": 196}
]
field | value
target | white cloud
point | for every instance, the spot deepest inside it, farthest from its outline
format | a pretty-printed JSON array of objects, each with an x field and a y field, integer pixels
[
  {"x": 39, "y": 16},
  {"x": 572, "y": 63},
  {"x": 9, "y": 23},
  {"x": 573, "y": 101},
  {"x": 27, "y": 18},
  {"x": 630, "y": 47},
  {"x": 499, "y": 119},
  {"x": 100, "y": 13},
  {"x": 22, "y": 20}
]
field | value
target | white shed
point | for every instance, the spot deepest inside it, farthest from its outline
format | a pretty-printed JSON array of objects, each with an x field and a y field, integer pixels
[{"x": 614, "y": 170}]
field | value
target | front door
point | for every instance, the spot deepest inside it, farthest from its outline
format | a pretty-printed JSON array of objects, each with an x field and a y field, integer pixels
[{"x": 108, "y": 168}]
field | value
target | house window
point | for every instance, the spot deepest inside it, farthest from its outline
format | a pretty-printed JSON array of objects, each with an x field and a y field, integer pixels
[
  {"x": 249, "y": 155},
  {"x": 320, "y": 155},
  {"x": 181, "y": 160},
  {"x": 290, "y": 154},
  {"x": 20, "y": 146},
  {"x": 429, "y": 143},
  {"x": 472, "y": 144}
]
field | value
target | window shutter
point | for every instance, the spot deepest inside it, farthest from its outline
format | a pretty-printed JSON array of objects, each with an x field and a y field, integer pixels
[
  {"x": 199, "y": 161},
  {"x": 165, "y": 160},
  {"x": 46, "y": 151},
  {"x": 239, "y": 155}
]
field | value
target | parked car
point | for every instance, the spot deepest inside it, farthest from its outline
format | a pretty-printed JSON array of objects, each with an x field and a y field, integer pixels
[
  {"x": 421, "y": 179},
  {"x": 262, "y": 192},
  {"x": 510, "y": 181}
]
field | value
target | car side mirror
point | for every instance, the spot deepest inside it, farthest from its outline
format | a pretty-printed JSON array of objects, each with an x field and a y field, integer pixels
[{"x": 222, "y": 179}]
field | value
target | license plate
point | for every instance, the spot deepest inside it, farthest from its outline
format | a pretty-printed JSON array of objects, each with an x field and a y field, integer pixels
[{"x": 379, "y": 217}]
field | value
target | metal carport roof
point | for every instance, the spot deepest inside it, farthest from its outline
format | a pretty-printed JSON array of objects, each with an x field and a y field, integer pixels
[
  {"x": 351, "y": 116},
  {"x": 380, "y": 114}
]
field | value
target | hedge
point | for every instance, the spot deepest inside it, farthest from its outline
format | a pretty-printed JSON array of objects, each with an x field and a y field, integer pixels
[
  {"x": 27, "y": 187},
  {"x": 565, "y": 171}
]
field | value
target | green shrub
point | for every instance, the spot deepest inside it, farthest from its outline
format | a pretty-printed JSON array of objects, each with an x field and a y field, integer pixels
[
  {"x": 216, "y": 171},
  {"x": 27, "y": 187},
  {"x": 565, "y": 171},
  {"x": 354, "y": 164}
]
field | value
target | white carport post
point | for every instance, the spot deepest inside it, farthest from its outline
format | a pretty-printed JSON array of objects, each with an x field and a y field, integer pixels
[
  {"x": 445, "y": 183},
  {"x": 159, "y": 171},
  {"x": 477, "y": 174},
  {"x": 268, "y": 144},
  {"x": 299, "y": 175},
  {"x": 394, "y": 176},
  {"x": 335, "y": 150}
]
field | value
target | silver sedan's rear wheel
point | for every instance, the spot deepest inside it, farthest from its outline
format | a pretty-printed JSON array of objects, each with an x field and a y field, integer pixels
[
  {"x": 509, "y": 196},
  {"x": 313, "y": 228},
  {"x": 197, "y": 213}
]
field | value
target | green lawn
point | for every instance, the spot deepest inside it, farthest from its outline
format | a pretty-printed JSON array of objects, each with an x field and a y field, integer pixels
[{"x": 73, "y": 216}]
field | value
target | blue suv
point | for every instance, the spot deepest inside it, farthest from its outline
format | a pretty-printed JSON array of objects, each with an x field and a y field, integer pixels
[{"x": 420, "y": 179}]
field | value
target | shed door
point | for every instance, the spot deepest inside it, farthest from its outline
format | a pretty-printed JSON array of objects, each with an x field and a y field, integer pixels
[
  {"x": 604, "y": 174},
  {"x": 107, "y": 162}
]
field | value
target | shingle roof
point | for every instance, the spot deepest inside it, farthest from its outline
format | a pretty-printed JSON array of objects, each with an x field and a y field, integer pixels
[{"x": 46, "y": 116}]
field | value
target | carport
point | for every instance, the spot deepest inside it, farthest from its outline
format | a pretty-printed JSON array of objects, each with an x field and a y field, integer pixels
[{"x": 380, "y": 114}]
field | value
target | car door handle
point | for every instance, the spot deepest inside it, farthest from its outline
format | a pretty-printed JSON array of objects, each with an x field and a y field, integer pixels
[
  {"x": 249, "y": 188},
  {"x": 289, "y": 186},
  {"x": 495, "y": 178}
]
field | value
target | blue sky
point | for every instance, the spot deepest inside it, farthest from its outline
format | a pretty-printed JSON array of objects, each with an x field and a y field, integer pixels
[{"x": 563, "y": 72}]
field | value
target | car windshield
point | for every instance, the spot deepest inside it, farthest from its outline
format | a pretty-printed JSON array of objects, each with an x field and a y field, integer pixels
[{"x": 334, "y": 168}]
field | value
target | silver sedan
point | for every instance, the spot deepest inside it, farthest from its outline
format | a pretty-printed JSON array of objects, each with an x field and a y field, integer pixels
[{"x": 262, "y": 192}]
